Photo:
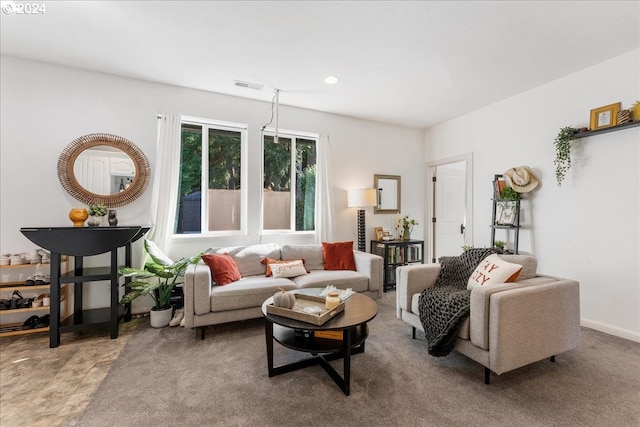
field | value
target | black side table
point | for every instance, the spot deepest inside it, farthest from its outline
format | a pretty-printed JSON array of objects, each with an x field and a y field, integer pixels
[{"x": 80, "y": 242}]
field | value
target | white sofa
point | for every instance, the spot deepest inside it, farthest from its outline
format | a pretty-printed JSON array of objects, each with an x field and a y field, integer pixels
[
  {"x": 511, "y": 325},
  {"x": 206, "y": 303}
]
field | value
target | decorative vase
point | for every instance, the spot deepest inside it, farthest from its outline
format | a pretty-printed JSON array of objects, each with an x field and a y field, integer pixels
[
  {"x": 635, "y": 111},
  {"x": 78, "y": 216},
  {"x": 406, "y": 234},
  {"x": 94, "y": 221},
  {"x": 113, "y": 218},
  {"x": 160, "y": 317}
]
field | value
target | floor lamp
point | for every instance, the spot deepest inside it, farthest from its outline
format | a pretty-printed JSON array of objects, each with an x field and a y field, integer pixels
[{"x": 361, "y": 199}]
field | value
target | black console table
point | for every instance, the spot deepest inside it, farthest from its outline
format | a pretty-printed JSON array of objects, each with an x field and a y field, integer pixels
[{"x": 80, "y": 242}]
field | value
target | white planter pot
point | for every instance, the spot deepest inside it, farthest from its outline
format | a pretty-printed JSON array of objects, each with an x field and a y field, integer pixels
[{"x": 160, "y": 318}]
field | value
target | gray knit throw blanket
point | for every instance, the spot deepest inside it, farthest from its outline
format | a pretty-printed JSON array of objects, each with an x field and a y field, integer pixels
[{"x": 444, "y": 307}]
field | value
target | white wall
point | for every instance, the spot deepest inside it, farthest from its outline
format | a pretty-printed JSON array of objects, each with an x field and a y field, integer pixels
[
  {"x": 589, "y": 228},
  {"x": 44, "y": 107}
]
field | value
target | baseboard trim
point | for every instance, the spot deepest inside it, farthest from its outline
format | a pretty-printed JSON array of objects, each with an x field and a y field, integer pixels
[{"x": 611, "y": 330}]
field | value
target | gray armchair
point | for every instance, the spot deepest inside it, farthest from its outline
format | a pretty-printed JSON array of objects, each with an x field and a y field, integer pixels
[{"x": 511, "y": 325}]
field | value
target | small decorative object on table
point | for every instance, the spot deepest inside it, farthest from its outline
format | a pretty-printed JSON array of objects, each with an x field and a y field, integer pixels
[
  {"x": 332, "y": 300},
  {"x": 96, "y": 212},
  {"x": 113, "y": 217},
  {"x": 78, "y": 216},
  {"x": 406, "y": 224},
  {"x": 284, "y": 299}
]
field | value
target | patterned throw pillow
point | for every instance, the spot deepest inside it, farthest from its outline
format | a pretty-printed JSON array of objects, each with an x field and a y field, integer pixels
[
  {"x": 269, "y": 261},
  {"x": 493, "y": 270},
  {"x": 288, "y": 269}
]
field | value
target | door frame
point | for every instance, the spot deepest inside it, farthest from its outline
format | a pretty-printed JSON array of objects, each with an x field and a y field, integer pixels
[{"x": 430, "y": 168}]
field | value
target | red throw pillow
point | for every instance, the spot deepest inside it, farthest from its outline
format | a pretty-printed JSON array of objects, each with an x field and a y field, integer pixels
[
  {"x": 338, "y": 256},
  {"x": 224, "y": 269},
  {"x": 267, "y": 261}
]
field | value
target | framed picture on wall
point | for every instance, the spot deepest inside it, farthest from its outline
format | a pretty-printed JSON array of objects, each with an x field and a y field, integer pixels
[
  {"x": 604, "y": 117},
  {"x": 379, "y": 233}
]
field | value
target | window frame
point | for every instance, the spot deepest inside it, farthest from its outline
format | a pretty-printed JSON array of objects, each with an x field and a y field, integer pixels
[
  {"x": 294, "y": 136},
  {"x": 243, "y": 129}
]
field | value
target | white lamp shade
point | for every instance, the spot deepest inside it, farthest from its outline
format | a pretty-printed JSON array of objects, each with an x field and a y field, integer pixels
[{"x": 361, "y": 198}]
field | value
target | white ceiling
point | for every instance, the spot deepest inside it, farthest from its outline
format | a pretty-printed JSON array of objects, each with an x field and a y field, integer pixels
[{"x": 410, "y": 63}]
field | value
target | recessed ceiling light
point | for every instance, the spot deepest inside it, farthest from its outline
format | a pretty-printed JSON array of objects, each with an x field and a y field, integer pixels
[{"x": 331, "y": 80}]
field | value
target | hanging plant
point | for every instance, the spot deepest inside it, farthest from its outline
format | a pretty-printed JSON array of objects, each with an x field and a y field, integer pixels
[{"x": 563, "y": 152}]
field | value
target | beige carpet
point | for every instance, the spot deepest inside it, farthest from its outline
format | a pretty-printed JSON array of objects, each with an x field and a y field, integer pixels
[{"x": 169, "y": 377}]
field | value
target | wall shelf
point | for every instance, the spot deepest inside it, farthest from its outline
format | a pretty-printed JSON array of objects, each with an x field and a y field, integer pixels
[{"x": 606, "y": 130}]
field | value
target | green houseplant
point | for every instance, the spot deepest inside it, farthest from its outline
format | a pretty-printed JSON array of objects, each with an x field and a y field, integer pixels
[
  {"x": 158, "y": 279},
  {"x": 509, "y": 194},
  {"x": 563, "y": 152},
  {"x": 407, "y": 224},
  {"x": 96, "y": 212}
]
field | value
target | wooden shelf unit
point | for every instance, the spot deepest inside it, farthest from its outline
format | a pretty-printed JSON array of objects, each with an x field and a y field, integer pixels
[{"x": 7, "y": 287}]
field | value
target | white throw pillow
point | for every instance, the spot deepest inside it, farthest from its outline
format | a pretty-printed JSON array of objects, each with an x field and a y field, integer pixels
[
  {"x": 288, "y": 269},
  {"x": 493, "y": 270}
]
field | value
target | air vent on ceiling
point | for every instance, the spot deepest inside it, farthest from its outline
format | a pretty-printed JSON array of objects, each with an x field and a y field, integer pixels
[{"x": 247, "y": 85}]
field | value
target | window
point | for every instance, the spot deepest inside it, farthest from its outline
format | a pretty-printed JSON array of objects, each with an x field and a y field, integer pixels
[
  {"x": 289, "y": 182},
  {"x": 211, "y": 180}
]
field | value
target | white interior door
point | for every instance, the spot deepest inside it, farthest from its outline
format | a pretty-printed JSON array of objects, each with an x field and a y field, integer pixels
[{"x": 450, "y": 209}]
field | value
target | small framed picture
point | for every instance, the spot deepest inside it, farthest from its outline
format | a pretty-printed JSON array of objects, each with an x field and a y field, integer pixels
[
  {"x": 379, "y": 233},
  {"x": 604, "y": 117},
  {"x": 506, "y": 213}
]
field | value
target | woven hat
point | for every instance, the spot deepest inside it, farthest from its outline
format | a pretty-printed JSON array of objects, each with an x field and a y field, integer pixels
[{"x": 521, "y": 179}]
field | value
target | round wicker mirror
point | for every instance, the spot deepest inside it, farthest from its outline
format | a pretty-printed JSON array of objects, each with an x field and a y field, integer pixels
[{"x": 70, "y": 182}]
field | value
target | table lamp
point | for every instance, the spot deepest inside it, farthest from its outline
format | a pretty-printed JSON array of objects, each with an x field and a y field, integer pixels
[{"x": 361, "y": 199}]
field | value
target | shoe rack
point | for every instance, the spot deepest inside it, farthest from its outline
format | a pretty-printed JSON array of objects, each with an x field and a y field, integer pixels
[{"x": 13, "y": 278}]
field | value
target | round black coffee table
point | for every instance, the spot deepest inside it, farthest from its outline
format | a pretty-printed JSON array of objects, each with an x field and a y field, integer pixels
[{"x": 359, "y": 309}]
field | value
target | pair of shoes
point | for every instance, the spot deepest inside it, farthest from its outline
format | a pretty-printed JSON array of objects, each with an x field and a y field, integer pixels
[
  {"x": 36, "y": 322},
  {"x": 18, "y": 301},
  {"x": 35, "y": 257},
  {"x": 37, "y": 302},
  {"x": 177, "y": 317},
  {"x": 21, "y": 258},
  {"x": 37, "y": 280}
]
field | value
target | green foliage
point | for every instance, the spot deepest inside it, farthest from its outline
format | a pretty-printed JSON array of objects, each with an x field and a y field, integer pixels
[
  {"x": 406, "y": 221},
  {"x": 224, "y": 160},
  {"x": 500, "y": 244},
  {"x": 157, "y": 279},
  {"x": 305, "y": 185},
  {"x": 97, "y": 210},
  {"x": 563, "y": 152},
  {"x": 509, "y": 193}
]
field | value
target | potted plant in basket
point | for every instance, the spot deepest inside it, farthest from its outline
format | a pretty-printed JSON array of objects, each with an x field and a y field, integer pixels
[{"x": 158, "y": 279}]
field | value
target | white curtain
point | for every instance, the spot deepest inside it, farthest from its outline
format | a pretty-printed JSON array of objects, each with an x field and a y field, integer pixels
[
  {"x": 324, "y": 221},
  {"x": 165, "y": 183}
]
